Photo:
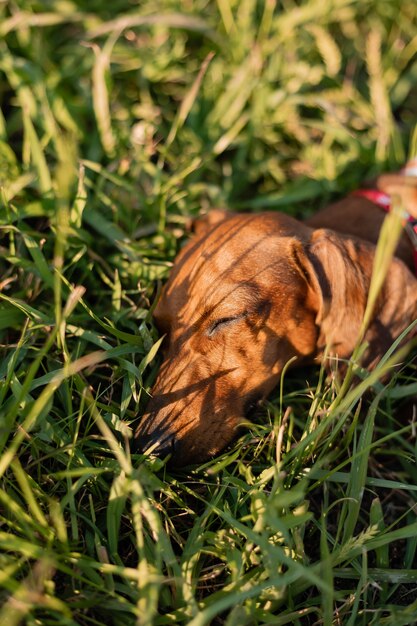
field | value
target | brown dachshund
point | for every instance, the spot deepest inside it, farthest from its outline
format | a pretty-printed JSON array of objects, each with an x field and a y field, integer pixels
[{"x": 251, "y": 291}]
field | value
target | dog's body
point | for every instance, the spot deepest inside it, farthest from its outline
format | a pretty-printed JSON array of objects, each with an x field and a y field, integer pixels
[
  {"x": 251, "y": 292},
  {"x": 358, "y": 217}
]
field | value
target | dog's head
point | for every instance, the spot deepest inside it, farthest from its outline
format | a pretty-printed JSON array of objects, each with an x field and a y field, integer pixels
[{"x": 246, "y": 295}]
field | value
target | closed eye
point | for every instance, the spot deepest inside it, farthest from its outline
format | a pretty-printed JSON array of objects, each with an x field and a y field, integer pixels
[{"x": 224, "y": 321}]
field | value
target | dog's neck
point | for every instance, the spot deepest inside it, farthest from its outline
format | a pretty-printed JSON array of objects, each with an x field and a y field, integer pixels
[{"x": 384, "y": 201}]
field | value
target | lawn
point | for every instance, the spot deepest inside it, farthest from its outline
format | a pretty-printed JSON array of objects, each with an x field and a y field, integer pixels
[{"x": 118, "y": 123}]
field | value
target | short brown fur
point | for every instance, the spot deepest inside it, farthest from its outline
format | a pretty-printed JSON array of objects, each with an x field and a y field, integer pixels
[{"x": 247, "y": 294}]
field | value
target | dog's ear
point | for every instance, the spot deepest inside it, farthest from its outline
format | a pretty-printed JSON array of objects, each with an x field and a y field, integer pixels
[
  {"x": 400, "y": 186},
  {"x": 338, "y": 273},
  {"x": 204, "y": 223},
  {"x": 336, "y": 288}
]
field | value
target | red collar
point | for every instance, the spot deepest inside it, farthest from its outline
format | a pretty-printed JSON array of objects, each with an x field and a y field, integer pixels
[{"x": 383, "y": 200}]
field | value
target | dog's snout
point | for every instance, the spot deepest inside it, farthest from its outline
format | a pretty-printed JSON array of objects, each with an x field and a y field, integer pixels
[
  {"x": 251, "y": 404},
  {"x": 158, "y": 443}
]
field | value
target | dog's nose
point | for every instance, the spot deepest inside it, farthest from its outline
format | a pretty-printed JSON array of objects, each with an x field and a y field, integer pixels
[{"x": 156, "y": 443}]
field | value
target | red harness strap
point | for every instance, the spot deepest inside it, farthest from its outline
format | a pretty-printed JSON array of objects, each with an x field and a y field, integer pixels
[
  {"x": 384, "y": 201},
  {"x": 377, "y": 197}
]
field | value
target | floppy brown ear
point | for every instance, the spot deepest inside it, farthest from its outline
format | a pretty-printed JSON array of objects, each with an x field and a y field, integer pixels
[
  {"x": 339, "y": 270},
  {"x": 204, "y": 223},
  {"x": 402, "y": 186}
]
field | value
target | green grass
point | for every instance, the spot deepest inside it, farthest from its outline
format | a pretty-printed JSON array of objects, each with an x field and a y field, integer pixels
[{"x": 118, "y": 122}]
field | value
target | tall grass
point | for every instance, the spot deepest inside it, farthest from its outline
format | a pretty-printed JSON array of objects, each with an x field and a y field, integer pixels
[{"x": 118, "y": 122}]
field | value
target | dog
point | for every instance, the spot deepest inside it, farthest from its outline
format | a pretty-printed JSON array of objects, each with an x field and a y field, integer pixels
[{"x": 250, "y": 293}]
